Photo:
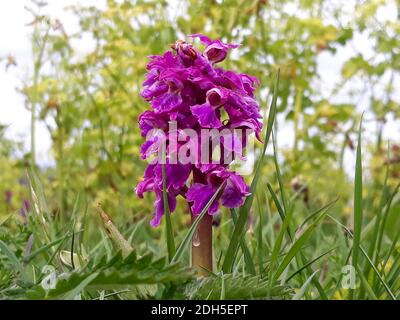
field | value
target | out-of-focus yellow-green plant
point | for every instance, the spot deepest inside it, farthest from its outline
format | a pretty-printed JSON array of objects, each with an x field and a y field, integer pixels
[
  {"x": 89, "y": 99},
  {"x": 13, "y": 186}
]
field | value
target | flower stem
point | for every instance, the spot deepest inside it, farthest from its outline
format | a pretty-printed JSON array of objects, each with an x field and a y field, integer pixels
[
  {"x": 297, "y": 112},
  {"x": 202, "y": 257}
]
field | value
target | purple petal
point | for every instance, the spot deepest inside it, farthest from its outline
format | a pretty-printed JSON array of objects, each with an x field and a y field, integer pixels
[
  {"x": 206, "y": 40},
  {"x": 233, "y": 81},
  {"x": 150, "y": 147},
  {"x": 200, "y": 195},
  {"x": 216, "y": 50},
  {"x": 159, "y": 207},
  {"x": 204, "y": 168},
  {"x": 235, "y": 191},
  {"x": 206, "y": 115},
  {"x": 217, "y": 97},
  {"x": 167, "y": 102},
  {"x": 176, "y": 175},
  {"x": 147, "y": 184},
  {"x": 251, "y": 124},
  {"x": 154, "y": 90},
  {"x": 149, "y": 120},
  {"x": 240, "y": 108},
  {"x": 249, "y": 83},
  {"x": 167, "y": 60},
  {"x": 172, "y": 78}
]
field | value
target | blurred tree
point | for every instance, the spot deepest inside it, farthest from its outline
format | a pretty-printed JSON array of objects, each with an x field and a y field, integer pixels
[{"x": 90, "y": 101}]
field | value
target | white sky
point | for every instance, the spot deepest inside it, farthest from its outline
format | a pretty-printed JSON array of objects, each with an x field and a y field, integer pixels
[{"x": 14, "y": 40}]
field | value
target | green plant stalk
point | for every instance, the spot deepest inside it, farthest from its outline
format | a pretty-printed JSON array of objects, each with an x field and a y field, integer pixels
[
  {"x": 202, "y": 255},
  {"x": 33, "y": 113},
  {"x": 60, "y": 163},
  {"x": 189, "y": 236},
  {"x": 297, "y": 111},
  {"x": 260, "y": 246},
  {"x": 358, "y": 205},
  {"x": 33, "y": 120},
  {"x": 170, "y": 233},
  {"x": 249, "y": 264},
  {"x": 372, "y": 252},
  {"x": 36, "y": 71}
]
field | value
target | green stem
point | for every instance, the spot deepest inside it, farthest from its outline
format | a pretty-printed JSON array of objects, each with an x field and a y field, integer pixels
[
  {"x": 33, "y": 118},
  {"x": 38, "y": 52},
  {"x": 60, "y": 162},
  {"x": 297, "y": 111}
]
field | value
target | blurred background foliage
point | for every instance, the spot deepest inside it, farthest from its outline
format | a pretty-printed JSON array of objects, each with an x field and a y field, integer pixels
[{"x": 90, "y": 103}]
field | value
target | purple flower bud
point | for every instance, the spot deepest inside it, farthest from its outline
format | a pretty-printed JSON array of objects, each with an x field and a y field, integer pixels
[
  {"x": 216, "y": 50},
  {"x": 8, "y": 196},
  {"x": 24, "y": 211},
  {"x": 185, "y": 51},
  {"x": 216, "y": 97}
]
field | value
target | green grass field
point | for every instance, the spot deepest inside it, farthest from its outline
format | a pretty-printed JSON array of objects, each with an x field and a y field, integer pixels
[{"x": 270, "y": 248}]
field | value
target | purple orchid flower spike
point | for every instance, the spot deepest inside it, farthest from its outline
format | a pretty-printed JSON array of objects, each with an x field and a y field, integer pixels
[
  {"x": 190, "y": 97},
  {"x": 183, "y": 87}
]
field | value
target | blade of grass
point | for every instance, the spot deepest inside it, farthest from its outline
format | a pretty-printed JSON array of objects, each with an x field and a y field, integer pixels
[
  {"x": 389, "y": 291},
  {"x": 391, "y": 250},
  {"x": 277, "y": 247},
  {"x": 45, "y": 247},
  {"x": 279, "y": 176},
  {"x": 339, "y": 280},
  {"x": 189, "y": 235},
  {"x": 112, "y": 294},
  {"x": 222, "y": 296},
  {"x": 57, "y": 250},
  {"x": 260, "y": 244},
  {"x": 304, "y": 287},
  {"x": 14, "y": 261},
  {"x": 286, "y": 206},
  {"x": 367, "y": 257},
  {"x": 250, "y": 268},
  {"x": 284, "y": 199},
  {"x": 381, "y": 229},
  {"x": 315, "y": 213},
  {"x": 170, "y": 233},
  {"x": 244, "y": 210},
  {"x": 394, "y": 272},
  {"x": 77, "y": 290},
  {"x": 40, "y": 205},
  {"x": 384, "y": 218},
  {"x": 308, "y": 264},
  {"x": 384, "y": 196},
  {"x": 366, "y": 285},
  {"x": 277, "y": 203},
  {"x": 358, "y": 203},
  {"x": 298, "y": 244}
]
